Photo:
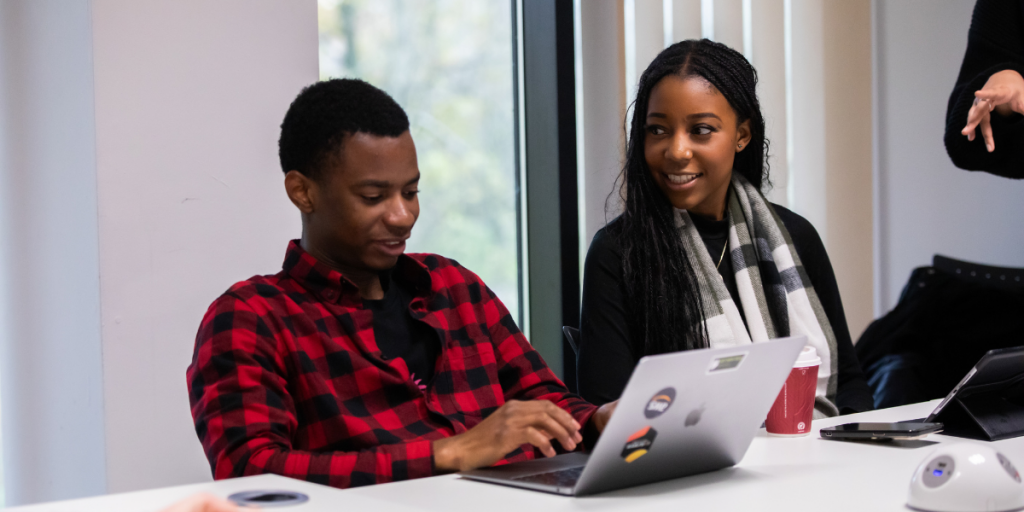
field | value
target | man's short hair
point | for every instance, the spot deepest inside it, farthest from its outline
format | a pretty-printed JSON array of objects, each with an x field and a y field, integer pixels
[{"x": 324, "y": 113}]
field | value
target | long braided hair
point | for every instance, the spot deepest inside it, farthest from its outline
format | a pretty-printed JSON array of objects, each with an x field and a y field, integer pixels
[{"x": 662, "y": 296}]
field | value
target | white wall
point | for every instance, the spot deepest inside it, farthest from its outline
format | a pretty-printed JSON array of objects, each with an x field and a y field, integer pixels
[
  {"x": 686, "y": 19},
  {"x": 925, "y": 204},
  {"x": 601, "y": 134},
  {"x": 644, "y": 41},
  {"x": 189, "y": 99},
  {"x": 805, "y": 119},
  {"x": 768, "y": 55},
  {"x": 52, "y": 381},
  {"x": 848, "y": 156},
  {"x": 728, "y": 23},
  {"x": 140, "y": 179}
]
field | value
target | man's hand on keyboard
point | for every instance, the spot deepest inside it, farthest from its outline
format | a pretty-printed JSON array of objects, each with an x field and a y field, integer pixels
[{"x": 515, "y": 423}]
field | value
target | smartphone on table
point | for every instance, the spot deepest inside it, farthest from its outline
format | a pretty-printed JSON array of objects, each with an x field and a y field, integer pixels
[{"x": 903, "y": 430}]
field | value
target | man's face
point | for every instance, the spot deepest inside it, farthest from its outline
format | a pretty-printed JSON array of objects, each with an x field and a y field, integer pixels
[{"x": 366, "y": 203}]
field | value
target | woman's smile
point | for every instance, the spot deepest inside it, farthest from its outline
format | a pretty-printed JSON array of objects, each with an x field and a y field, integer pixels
[{"x": 678, "y": 181}]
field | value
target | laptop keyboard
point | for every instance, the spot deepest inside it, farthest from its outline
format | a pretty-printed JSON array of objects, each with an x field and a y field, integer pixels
[{"x": 560, "y": 478}]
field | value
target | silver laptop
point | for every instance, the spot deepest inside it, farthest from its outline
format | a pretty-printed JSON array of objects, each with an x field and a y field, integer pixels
[{"x": 681, "y": 414}]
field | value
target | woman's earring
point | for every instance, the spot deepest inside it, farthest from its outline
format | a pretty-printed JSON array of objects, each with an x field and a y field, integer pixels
[{"x": 740, "y": 146}]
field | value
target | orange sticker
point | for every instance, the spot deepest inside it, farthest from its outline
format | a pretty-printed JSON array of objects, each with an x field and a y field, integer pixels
[{"x": 638, "y": 444}]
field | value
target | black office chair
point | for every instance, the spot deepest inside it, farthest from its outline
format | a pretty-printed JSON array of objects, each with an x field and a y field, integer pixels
[
  {"x": 999, "y": 277},
  {"x": 571, "y": 335},
  {"x": 948, "y": 316}
]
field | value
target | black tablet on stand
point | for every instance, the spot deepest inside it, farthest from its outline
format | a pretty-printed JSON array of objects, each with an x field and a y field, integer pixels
[{"x": 988, "y": 404}]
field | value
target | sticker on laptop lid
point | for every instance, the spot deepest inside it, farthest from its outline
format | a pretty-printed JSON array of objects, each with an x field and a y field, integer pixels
[
  {"x": 639, "y": 444},
  {"x": 729, "y": 362},
  {"x": 659, "y": 403}
]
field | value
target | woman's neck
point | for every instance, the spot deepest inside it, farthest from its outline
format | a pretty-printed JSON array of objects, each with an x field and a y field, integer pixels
[{"x": 709, "y": 226}]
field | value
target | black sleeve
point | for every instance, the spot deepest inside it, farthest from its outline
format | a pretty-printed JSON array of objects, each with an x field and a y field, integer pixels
[
  {"x": 605, "y": 361},
  {"x": 995, "y": 43},
  {"x": 853, "y": 395}
]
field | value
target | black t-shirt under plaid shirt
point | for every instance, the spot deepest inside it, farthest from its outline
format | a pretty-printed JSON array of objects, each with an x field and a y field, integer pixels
[
  {"x": 287, "y": 376},
  {"x": 399, "y": 334}
]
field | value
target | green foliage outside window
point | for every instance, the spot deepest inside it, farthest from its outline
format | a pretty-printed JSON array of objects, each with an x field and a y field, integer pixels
[{"x": 449, "y": 64}]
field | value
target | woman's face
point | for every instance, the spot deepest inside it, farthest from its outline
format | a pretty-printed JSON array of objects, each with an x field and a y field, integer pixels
[{"x": 690, "y": 143}]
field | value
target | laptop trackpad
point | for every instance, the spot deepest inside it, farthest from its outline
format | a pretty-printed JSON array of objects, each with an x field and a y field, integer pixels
[{"x": 530, "y": 467}]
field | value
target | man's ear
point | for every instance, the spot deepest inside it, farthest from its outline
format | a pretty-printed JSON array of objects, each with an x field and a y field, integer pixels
[
  {"x": 743, "y": 135},
  {"x": 302, "y": 191}
]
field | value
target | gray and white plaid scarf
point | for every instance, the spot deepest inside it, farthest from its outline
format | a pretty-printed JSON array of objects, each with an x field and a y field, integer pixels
[{"x": 775, "y": 293}]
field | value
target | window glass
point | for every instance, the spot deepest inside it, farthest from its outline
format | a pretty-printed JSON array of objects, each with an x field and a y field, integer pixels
[{"x": 449, "y": 63}]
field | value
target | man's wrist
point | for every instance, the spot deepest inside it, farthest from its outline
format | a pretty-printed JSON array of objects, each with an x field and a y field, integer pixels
[{"x": 447, "y": 455}]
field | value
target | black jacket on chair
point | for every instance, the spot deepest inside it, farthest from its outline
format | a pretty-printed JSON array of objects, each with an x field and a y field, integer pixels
[{"x": 949, "y": 315}]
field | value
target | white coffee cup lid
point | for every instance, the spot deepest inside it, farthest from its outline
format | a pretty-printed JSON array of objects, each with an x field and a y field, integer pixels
[{"x": 808, "y": 357}]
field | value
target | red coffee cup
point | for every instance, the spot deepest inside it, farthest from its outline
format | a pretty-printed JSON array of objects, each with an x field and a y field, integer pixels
[{"x": 791, "y": 414}]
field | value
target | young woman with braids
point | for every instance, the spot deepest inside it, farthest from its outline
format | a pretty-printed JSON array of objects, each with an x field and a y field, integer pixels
[{"x": 699, "y": 258}]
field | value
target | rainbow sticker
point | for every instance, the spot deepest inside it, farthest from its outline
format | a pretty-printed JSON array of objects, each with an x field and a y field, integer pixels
[
  {"x": 639, "y": 444},
  {"x": 659, "y": 403}
]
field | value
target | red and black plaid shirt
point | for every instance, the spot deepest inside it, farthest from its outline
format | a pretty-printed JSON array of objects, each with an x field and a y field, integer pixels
[{"x": 286, "y": 377}]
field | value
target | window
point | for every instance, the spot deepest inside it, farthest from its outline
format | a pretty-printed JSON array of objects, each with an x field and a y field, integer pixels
[{"x": 449, "y": 63}]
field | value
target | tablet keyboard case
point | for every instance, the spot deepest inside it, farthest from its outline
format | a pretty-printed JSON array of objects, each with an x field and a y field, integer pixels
[{"x": 991, "y": 413}]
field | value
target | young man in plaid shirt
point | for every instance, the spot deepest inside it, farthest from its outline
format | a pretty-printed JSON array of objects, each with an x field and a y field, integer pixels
[{"x": 358, "y": 364}]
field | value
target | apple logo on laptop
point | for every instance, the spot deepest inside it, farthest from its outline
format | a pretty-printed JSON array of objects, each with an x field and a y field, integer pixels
[
  {"x": 659, "y": 403},
  {"x": 694, "y": 416}
]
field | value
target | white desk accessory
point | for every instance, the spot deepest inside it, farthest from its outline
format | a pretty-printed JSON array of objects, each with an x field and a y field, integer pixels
[{"x": 966, "y": 477}]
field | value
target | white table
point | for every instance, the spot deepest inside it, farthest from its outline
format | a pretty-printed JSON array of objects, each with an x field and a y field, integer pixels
[
  {"x": 321, "y": 498},
  {"x": 786, "y": 474}
]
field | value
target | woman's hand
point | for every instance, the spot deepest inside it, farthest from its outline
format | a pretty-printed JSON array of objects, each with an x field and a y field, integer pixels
[
  {"x": 603, "y": 415},
  {"x": 1004, "y": 93}
]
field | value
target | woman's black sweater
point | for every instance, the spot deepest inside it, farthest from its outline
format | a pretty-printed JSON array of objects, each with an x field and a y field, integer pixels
[
  {"x": 605, "y": 360},
  {"x": 995, "y": 43}
]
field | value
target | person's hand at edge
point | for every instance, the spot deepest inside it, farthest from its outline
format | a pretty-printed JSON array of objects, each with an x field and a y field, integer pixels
[
  {"x": 203, "y": 503},
  {"x": 603, "y": 415},
  {"x": 1004, "y": 93},
  {"x": 535, "y": 422}
]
